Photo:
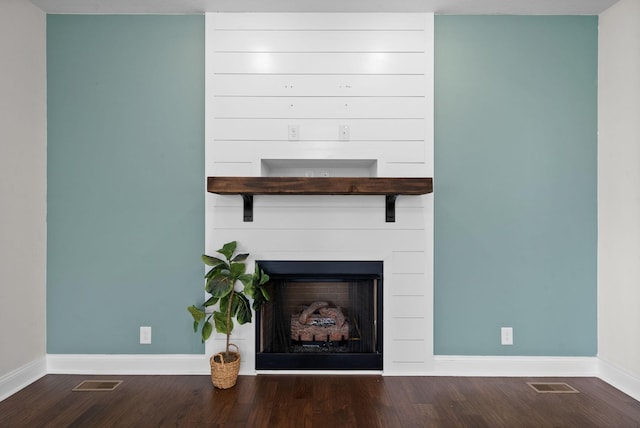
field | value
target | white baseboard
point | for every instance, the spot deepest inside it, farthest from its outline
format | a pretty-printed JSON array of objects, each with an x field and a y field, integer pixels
[
  {"x": 515, "y": 366},
  {"x": 619, "y": 379},
  {"x": 15, "y": 380},
  {"x": 442, "y": 365},
  {"x": 103, "y": 364}
]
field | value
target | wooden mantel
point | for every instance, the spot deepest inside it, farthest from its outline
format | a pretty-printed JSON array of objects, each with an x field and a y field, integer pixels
[
  {"x": 319, "y": 186},
  {"x": 387, "y": 186}
]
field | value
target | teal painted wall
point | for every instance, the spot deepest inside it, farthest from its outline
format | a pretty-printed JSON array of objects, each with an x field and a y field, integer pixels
[
  {"x": 125, "y": 182},
  {"x": 515, "y": 184}
]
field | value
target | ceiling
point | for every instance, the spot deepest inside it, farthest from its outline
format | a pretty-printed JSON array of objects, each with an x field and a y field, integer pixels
[{"x": 475, "y": 7}]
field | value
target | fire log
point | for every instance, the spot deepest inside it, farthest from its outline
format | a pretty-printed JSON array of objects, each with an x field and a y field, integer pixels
[
  {"x": 304, "y": 316},
  {"x": 335, "y": 313},
  {"x": 330, "y": 324}
]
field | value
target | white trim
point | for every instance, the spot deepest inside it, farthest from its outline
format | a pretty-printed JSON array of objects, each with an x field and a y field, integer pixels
[
  {"x": 619, "y": 378},
  {"x": 442, "y": 366},
  {"x": 170, "y": 364},
  {"x": 21, "y": 377},
  {"x": 452, "y": 365}
]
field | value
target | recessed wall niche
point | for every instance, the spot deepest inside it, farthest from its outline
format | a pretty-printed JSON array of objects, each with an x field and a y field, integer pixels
[{"x": 319, "y": 168}]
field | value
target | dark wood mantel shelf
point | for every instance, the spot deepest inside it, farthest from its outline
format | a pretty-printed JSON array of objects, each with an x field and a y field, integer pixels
[{"x": 387, "y": 186}]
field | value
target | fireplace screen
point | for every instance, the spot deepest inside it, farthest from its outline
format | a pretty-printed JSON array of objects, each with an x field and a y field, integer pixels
[{"x": 322, "y": 315}]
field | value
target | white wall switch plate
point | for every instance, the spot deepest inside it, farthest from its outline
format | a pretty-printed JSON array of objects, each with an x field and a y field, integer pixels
[
  {"x": 344, "y": 133},
  {"x": 294, "y": 132}
]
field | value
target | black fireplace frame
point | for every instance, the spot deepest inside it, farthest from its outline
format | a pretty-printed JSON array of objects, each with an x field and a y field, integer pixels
[{"x": 320, "y": 271}]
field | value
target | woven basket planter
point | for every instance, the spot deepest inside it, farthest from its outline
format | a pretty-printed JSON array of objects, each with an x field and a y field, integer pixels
[{"x": 224, "y": 375}]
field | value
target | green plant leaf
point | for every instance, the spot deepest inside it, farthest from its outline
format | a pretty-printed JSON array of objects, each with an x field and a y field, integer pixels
[
  {"x": 246, "y": 280},
  {"x": 242, "y": 309},
  {"x": 220, "y": 320},
  {"x": 212, "y": 261},
  {"x": 220, "y": 286},
  {"x": 210, "y": 301},
  {"x": 240, "y": 257},
  {"x": 224, "y": 305},
  {"x": 264, "y": 278},
  {"x": 260, "y": 298},
  {"x": 249, "y": 289},
  {"x": 237, "y": 269},
  {"x": 207, "y": 329},
  {"x": 256, "y": 290},
  {"x": 208, "y": 284},
  {"x": 234, "y": 304},
  {"x": 259, "y": 277},
  {"x": 197, "y": 314},
  {"x": 228, "y": 249},
  {"x": 213, "y": 274},
  {"x": 216, "y": 270}
]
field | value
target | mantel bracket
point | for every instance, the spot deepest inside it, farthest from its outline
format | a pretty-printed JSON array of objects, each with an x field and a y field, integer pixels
[
  {"x": 390, "y": 202},
  {"x": 248, "y": 207}
]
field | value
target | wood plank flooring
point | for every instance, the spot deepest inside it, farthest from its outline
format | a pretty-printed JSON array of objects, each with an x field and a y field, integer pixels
[{"x": 323, "y": 401}]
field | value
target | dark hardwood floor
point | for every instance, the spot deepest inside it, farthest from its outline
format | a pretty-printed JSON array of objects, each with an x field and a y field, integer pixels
[{"x": 326, "y": 401}]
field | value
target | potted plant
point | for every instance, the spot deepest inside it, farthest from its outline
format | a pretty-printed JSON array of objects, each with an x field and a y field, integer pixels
[{"x": 230, "y": 287}]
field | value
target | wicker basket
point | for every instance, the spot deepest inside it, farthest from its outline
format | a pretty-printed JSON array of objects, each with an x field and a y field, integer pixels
[{"x": 224, "y": 375}]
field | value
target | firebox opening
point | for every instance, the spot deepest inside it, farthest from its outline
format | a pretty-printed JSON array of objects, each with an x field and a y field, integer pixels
[{"x": 322, "y": 315}]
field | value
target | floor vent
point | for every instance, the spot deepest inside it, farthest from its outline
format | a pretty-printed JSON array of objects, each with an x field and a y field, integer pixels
[
  {"x": 97, "y": 385},
  {"x": 552, "y": 388}
]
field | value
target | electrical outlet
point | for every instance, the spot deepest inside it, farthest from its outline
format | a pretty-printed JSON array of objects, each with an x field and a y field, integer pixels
[
  {"x": 294, "y": 133},
  {"x": 344, "y": 133},
  {"x": 145, "y": 335},
  {"x": 506, "y": 335}
]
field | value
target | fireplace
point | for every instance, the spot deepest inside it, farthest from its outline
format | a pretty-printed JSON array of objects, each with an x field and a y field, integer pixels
[{"x": 322, "y": 315}]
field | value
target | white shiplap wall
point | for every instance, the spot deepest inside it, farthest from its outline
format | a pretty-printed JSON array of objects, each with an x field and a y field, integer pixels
[{"x": 371, "y": 72}]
